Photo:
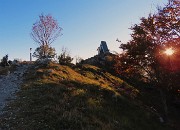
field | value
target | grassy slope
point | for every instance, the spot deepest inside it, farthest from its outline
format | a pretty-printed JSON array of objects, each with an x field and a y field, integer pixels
[{"x": 58, "y": 97}]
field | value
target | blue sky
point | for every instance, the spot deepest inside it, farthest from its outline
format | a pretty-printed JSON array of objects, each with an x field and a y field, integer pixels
[{"x": 85, "y": 23}]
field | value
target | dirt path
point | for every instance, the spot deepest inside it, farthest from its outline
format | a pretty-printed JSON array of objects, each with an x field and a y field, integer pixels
[{"x": 9, "y": 85}]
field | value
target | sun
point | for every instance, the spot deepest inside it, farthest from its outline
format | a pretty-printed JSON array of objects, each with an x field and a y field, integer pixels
[{"x": 169, "y": 51}]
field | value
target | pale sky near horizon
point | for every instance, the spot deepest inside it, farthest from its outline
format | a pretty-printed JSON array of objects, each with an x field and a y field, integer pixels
[{"x": 85, "y": 23}]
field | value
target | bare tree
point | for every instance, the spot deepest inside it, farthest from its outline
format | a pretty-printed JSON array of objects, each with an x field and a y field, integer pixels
[{"x": 45, "y": 31}]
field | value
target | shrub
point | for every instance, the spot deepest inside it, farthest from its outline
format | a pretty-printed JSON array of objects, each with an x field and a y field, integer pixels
[
  {"x": 4, "y": 61},
  {"x": 65, "y": 58}
]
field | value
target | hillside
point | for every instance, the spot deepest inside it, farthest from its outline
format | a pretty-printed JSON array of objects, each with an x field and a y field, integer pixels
[
  {"x": 53, "y": 96},
  {"x": 105, "y": 61}
]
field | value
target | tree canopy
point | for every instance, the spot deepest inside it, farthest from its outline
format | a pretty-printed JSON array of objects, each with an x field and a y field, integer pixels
[
  {"x": 46, "y": 30},
  {"x": 143, "y": 57}
]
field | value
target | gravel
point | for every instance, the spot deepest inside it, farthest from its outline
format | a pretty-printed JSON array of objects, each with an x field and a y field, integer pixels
[{"x": 9, "y": 85}]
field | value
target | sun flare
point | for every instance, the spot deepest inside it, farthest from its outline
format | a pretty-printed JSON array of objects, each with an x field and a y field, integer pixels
[{"x": 169, "y": 51}]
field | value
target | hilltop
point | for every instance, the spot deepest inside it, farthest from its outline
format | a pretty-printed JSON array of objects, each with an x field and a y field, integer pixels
[{"x": 54, "y": 96}]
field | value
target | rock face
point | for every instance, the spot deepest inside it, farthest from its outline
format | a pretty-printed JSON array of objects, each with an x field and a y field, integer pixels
[{"x": 9, "y": 85}]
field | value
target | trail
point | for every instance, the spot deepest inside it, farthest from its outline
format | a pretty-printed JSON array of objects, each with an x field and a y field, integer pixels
[{"x": 9, "y": 85}]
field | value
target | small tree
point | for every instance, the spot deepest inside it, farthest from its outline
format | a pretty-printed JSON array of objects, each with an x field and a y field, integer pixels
[
  {"x": 44, "y": 32},
  {"x": 65, "y": 58}
]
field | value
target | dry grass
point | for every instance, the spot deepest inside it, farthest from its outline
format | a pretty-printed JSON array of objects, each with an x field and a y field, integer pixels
[
  {"x": 6, "y": 70},
  {"x": 57, "y": 97}
]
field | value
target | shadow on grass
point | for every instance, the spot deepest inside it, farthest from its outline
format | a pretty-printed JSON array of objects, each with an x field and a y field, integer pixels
[{"x": 73, "y": 105}]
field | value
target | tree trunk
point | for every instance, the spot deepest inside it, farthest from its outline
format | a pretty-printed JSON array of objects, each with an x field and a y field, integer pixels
[
  {"x": 164, "y": 103},
  {"x": 44, "y": 51}
]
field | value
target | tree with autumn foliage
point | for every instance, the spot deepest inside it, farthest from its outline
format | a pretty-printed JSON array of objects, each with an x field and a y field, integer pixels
[
  {"x": 144, "y": 57},
  {"x": 44, "y": 32}
]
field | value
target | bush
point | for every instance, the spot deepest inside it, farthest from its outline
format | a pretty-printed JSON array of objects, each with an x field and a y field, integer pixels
[
  {"x": 65, "y": 58},
  {"x": 44, "y": 52},
  {"x": 4, "y": 61}
]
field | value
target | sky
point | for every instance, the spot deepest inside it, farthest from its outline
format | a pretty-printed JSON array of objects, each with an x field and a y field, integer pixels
[{"x": 85, "y": 24}]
